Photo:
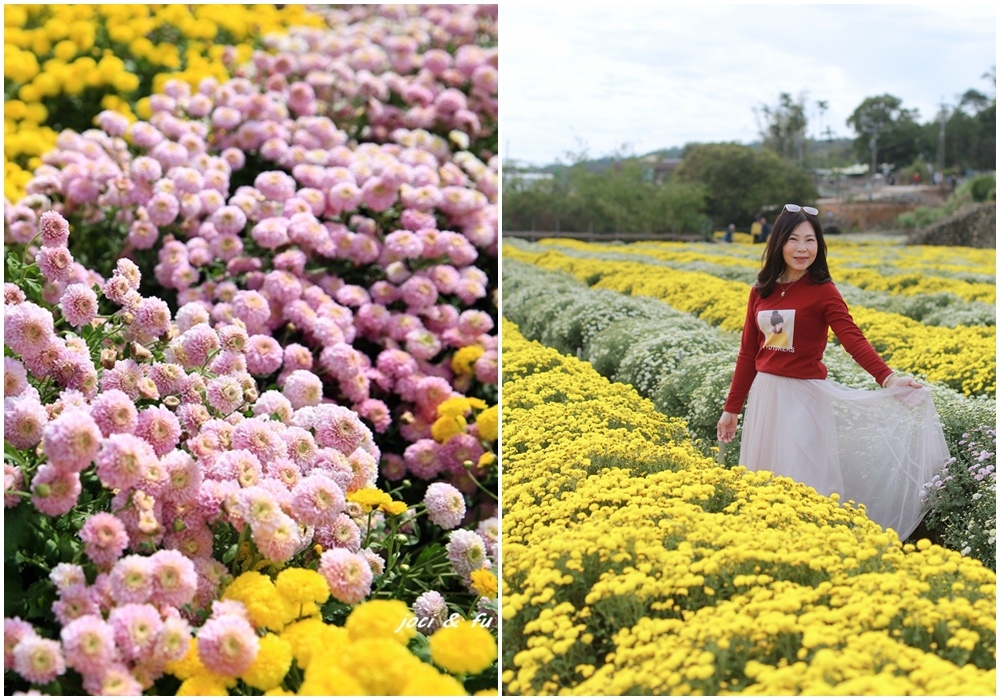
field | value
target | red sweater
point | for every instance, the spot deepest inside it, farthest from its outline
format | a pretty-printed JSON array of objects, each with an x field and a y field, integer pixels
[{"x": 786, "y": 335}]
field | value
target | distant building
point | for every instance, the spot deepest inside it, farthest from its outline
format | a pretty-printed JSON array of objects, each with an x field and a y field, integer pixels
[{"x": 658, "y": 169}]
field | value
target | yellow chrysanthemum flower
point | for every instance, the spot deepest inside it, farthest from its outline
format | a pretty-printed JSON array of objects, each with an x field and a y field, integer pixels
[
  {"x": 454, "y": 407},
  {"x": 382, "y": 666},
  {"x": 488, "y": 423},
  {"x": 300, "y": 587},
  {"x": 463, "y": 359},
  {"x": 447, "y": 427},
  {"x": 486, "y": 459},
  {"x": 369, "y": 498},
  {"x": 428, "y": 681},
  {"x": 381, "y": 619},
  {"x": 264, "y": 606},
  {"x": 327, "y": 677},
  {"x": 312, "y": 635},
  {"x": 467, "y": 647},
  {"x": 485, "y": 583},
  {"x": 201, "y": 686},
  {"x": 393, "y": 508},
  {"x": 269, "y": 668}
]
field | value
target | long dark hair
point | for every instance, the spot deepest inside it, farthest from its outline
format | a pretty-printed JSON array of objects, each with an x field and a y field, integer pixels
[{"x": 773, "y": 260}]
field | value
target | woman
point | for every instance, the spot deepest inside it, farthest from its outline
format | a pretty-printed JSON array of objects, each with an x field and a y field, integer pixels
[{"x": 873, "y": 447}]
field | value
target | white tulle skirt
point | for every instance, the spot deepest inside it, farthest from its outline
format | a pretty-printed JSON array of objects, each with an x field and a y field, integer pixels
[{"x": 874, "y": 447}]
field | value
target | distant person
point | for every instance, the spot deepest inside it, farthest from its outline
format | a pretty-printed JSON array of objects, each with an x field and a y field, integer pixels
[
  {"x": 765, "y": 229},
  {"x": 916, "y": 177},
  {"x": 728, "y": 236},
  {"x": 755, "y": 231}
]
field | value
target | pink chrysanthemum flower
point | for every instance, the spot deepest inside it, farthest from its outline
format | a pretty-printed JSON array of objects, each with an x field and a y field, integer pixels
[
  {"x": 349, "y": 575},
  {"x": 343, "y": 533},
  {"x": 317, "y": 500},
  {"x": 303, "y": 388},
  {"x": 88, "y": 644},
  {"x": 136, "y": 627},
  {"x": 261, "y": 437},
  {"x": 39, "y": 660},
  {"x": 54, "y": 229},
  {"x": 489, "y": 530},
  {"x": 402, "y": 245},
  {"x": 263, "y": 355},
  {"x": 275, "y": 405},
  {"x": 24, "y": 421},
  {"x": 285, "y": 471},
  {"x": 71, "y": 441},
  {"x": 225, "y": 394},
  {"x": 115, "y": 679},
  {"x": 158, "y": 426},
  {"x": 459, "y": 451},
  {"x": 75, "y": 601},
  {"x": 423, "y": 344},
  {"x": 297, "y": 357},
  {"x": 423, "y": 458},
  {"x": 152, "y": 317},
  {"x": 12, "y": 294},
  {"x": 15, "y": 377},
  {"x": 183, "y": 475},
  {"x": 13, "y": 481},
  {"x": 14, "y": 630},
  {"x": 431, "y": 611},
  {"x": 487, "y": 368},
  {"x": 275, "y": 184},
  {"x": 104, "y": 539},
  {"x": 55, "y": 264},
  {"x": 175, "y": 580},
  {"x": 280, "y": 538},
  {"x": 28, "y": 329},
  {"x": 132, "y": 580},
  {"x": 466, "y": 552},
  {"x": 340, "y": 428},
  {"x": 173, "y": 640},
  {"x": 114, "y": 412},
  {"x": 122, "y": 460},
  {"x": 125, "y": 377},
  {"x": 163, "y": 208},
  {"x": 227, "y": 645},
  {"x": 377, "y": 412},
  {"x": 419, "y": 293},
  {"x": 252, "y": 308},
  {"x": 445, "y": 505}
]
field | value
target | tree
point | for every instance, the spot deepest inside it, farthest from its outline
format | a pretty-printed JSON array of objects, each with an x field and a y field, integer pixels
[
  {"x": 784, "y": 127},
  {"x": 885, "y": 127},
  {"x": 741, "y": 181}
]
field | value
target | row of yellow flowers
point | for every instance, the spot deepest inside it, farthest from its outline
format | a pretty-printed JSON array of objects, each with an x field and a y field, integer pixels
[
  {"x": 55, "y": 54},
  {"x": 906, "y": 270},
  {"x": 962, "y": 357},
  {"x": 633, "y": 564}
]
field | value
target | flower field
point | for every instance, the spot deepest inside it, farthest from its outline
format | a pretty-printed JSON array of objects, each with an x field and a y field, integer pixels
[
  {"x": 633, "y": 564},
  {"x": 628, "y": 565},
  {"x": 250, "y": 350}
]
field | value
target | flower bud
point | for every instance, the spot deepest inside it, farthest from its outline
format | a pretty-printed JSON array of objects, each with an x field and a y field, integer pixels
[{"x": 109, "y": 356}]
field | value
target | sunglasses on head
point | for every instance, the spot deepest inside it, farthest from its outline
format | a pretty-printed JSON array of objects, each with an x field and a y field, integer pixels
[{"x": 807, "y": 210}]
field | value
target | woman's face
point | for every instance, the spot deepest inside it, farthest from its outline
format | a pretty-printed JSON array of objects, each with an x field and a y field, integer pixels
[{"x": 800, "y": 250}]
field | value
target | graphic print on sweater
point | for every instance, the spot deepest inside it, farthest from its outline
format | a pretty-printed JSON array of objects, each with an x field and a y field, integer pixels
[{"x": 778, "y": 327}]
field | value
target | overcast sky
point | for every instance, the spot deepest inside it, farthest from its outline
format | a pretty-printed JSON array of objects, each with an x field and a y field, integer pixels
[{"x": 580, "y": 75}]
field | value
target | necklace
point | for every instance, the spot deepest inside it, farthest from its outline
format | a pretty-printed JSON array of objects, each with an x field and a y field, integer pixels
[{"x": 783, "y": 287}]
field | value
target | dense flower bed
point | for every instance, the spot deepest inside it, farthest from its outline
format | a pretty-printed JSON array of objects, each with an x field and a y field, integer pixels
[
  {"x": 250, "y": 376},
  {"x": 962, "y": 357},
  {"x": 634, "y": 565},
  {"x": 63, "y": 64},
  {"x": 936, "y": 286},
  {"x": 684, "y": 365}
]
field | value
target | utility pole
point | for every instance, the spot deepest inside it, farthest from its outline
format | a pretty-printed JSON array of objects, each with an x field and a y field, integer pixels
[{"x": 943, "y": 118}]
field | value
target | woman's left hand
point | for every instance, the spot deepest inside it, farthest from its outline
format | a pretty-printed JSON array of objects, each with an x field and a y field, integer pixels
[{"x": 896, "y": 380}]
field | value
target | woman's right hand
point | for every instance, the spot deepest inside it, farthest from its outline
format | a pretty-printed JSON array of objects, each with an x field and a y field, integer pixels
[{"x": 726, "y": 429}]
